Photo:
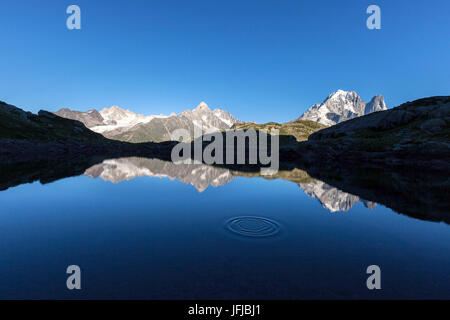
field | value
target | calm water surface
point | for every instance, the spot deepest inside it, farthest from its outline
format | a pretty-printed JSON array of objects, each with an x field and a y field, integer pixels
[{"x": 139, "y": 231}]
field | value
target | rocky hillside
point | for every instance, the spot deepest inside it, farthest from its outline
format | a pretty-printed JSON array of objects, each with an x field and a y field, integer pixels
[
  {"x": 341, "y": 106},
  {"x": 109, "y": 121},
  {"x": 44, "y": 126},
  {"x": 27, "y": 137},
  {"x": 89, "y": 118}
]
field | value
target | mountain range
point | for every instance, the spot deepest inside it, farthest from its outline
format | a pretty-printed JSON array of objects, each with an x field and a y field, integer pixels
[
  {"x": 393, "y": 157},
  {"x": 108, "y": 120},
  {"x": 341, "y": 106},
  {"x": 125, "y": 125}
]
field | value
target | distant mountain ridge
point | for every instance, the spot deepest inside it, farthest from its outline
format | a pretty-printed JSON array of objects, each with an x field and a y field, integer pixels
[
  {"x": 341, "y": 106},
  {"x": 125, "y": 125},
  {"x": 109, "y": 121}
]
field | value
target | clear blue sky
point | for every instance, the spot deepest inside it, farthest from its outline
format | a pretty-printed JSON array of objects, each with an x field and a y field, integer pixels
[{"x": 261, "y": 60}]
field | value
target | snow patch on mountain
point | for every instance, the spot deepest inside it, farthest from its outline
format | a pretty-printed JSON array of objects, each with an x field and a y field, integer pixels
[{"x": 116, "y": 118}]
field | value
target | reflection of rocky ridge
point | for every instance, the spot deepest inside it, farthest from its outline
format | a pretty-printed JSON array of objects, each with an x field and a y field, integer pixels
[
  {"x": 332, "y": 198},
  {"x": 369, "y": 204},
  {"x": 199, "y": 175}
]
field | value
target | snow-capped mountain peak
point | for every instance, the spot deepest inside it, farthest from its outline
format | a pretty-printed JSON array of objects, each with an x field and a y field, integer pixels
[
  {"x": 210, "y": 120},
  {"x": 202, "y": 106},
  {"x": 339, "y": 93},
  {"x": 113, "y": 113},
  {"x": 342, "y": 105}
]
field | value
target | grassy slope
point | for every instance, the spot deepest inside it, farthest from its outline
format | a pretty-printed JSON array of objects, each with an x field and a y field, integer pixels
[
  {"x": 160, "y": 130},
  {"x": 295, "y": 175},
  {"x": 300, "y": 129}
]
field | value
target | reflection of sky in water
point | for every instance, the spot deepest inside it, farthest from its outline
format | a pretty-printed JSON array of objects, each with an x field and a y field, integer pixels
[{"x": 159, "y": 238}]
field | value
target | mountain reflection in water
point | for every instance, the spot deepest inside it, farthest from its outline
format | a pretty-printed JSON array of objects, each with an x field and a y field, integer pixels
[
  {"x": 124, "y": 169},
  {"x": 202, "y": 176},
  {"x": 418, "y": 194},
  {"x": 233, "y": 234}
]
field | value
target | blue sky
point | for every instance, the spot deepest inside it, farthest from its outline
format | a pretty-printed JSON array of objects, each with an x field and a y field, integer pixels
[{"x": 261, "y": 60}]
